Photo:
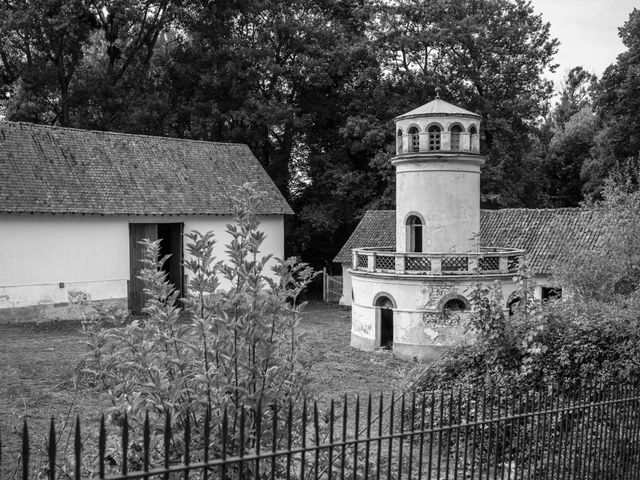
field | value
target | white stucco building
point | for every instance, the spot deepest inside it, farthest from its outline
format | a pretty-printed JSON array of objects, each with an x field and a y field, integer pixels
[
  {"x": 74, "y": 204},
  {"x": 406, "y": 271}
]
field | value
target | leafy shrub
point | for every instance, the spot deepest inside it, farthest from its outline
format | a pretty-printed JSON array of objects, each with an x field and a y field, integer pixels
[{"x": 234, "y": 349}]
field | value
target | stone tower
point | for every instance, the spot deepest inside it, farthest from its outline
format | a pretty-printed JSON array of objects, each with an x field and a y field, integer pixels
[
  {"x": 412, "y": 296},
  {"x": 437, "y": 179}
]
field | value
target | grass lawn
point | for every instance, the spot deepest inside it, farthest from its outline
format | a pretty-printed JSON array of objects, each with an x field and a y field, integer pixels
[{"x": 40, "y": 365}]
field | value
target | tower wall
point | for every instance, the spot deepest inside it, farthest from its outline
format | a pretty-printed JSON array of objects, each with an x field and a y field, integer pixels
[{"x": 444, "y": 192}]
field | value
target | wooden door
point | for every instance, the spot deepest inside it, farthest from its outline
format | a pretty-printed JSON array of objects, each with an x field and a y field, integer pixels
[{"x": 137, "y": 233}]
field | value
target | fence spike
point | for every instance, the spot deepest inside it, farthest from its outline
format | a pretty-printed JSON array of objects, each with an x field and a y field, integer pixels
[
  {"x": 357, "y": 437},
  {"x": 258, "y": 438},
  {"x": 400, "y": 449},
  {"x": 448, "y": 444},
  {"x": 289, "y": 437},
  {"x": 316, "y": 434},
  {"x": 379, "y": 445},
  {"x": 303, "y": 428},
  {"x": 125, "y": 444},
  {"x": 390, "y": 441},
  {"x": 421, "y": 448},
  {"x": 343, "y": 452},
  {"x": 51, "y": 449},
  {"x": 25, "y": 450},
  {"x": 146, "y": 434},
  {"x": 368, "y": 433},
  {"x": 274, "y": 441},
  {"x": 206, "y": 440},
  {"x": 331, "y": 427},
  {"x": 167, "y": 442},
  {"x": 457, "y": 434},
  {"x": 77, "y": 449},
  {"x": 102, "y": 447}
]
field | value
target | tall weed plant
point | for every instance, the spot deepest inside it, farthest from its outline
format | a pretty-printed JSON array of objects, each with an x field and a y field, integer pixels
[{"x": 234, "y": 348}]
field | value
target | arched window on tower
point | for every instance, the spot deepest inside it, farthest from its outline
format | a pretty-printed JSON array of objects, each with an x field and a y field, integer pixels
[
  {"x": 434, "y": 137},
  {"x": 456, "y": 130},
  {"x": 473, "y": 130},
  {"x": 415, "y": 139},
  {"x": 414, "y": 234},
  {"x": 399, "y": 142},
  {"x": 453, "y": 307}
]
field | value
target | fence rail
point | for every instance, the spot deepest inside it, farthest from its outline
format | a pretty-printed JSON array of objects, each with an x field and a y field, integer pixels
[{"x": 584, "y": 433}]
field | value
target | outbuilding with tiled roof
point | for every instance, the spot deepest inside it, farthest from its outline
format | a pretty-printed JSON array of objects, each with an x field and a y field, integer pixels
[{"x": 74, "y": 203}]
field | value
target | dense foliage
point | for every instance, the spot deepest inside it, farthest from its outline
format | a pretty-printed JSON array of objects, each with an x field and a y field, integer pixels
[{"x": 312, "y": 86}]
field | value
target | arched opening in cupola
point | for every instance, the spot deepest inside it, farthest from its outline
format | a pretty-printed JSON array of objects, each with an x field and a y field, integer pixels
[
  {"x": 414, "y": 234},
  {"x": 473, "y": 130},
  {"x": 399, "y": 142},
  {"x": 456, "y": 130},
  {"x": 415, "y": 139},
  {"x": 434, "y": 137}
]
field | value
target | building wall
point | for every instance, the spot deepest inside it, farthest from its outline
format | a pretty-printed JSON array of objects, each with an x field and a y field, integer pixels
[
  {"x": 421, "y": 330},
  {"x": 54, "y": 265},
  {"x": 346, "y": 299},
  {"x": 446, "y": 194}
]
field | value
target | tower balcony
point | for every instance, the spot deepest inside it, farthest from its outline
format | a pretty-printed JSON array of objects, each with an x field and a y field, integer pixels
[
  {"x": 487, "y": 261},
  {"x": 427, "y": 142}
]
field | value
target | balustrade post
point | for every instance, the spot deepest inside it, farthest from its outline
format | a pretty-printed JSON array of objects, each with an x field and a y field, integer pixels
[
  {"x": 473, "y": 263},
  {"x": 400, "y": 261},
  {"x": 354, "y": 259},
  {"x": 504, "y": 264},
  {"x": 371, "y": 262},
  {"x": 436, "y": 265}
]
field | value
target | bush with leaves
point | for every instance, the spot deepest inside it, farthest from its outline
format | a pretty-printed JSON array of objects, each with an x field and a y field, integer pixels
[
  {"x": 235, "y": 348},
  {"x": 560, "y": 342}
]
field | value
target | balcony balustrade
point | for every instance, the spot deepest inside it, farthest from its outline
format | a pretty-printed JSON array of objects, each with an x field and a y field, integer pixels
[
  {"x": 447, "y": 142},
  {"x": 488, "y": 261}
]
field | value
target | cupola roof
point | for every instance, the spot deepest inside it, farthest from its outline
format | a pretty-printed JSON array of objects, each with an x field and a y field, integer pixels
[{"x": 437, "y": 107}]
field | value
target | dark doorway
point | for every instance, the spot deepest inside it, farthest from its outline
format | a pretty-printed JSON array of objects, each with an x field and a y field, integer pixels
[
  {"x": 386, "y": 328},
  {"x": 170, "y": 235},
  {"x": 385, "y": 306},
  {"x": 171, "y": 244}
]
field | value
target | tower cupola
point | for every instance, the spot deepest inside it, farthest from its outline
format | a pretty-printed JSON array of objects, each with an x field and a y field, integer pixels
[
  {"x": 438, "y": 126},
  {"x": 437, "y": 179}
]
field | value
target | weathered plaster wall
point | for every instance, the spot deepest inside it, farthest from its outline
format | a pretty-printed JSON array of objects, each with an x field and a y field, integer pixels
[
  {"x": 55, "y": 267},
  {"x": 446, "y": 194},
  {"x": 345, "y": 299},
  {"x": 420, "y": 329},
  {"x": 347, "y": 288},
  {"x": 62, "y": 260}
]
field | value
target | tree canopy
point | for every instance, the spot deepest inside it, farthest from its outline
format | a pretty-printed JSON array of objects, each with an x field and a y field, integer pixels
[{"x": 312, "y": 87}]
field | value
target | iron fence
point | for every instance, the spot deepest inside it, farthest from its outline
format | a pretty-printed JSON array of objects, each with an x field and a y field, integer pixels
[{"x": 591, "y": 432}]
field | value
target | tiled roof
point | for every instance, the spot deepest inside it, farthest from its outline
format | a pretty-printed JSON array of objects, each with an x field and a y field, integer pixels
[
  {"x": 46, "y": 169},
  {"x": 376, "y": 229},
  {"x": 437, "y": 107},
  {"x": 543, "y": 233}
]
